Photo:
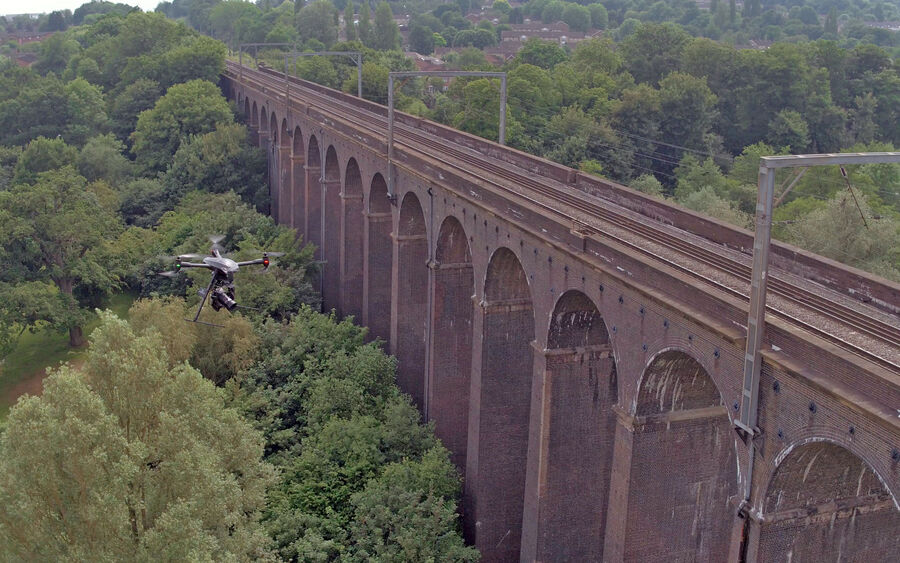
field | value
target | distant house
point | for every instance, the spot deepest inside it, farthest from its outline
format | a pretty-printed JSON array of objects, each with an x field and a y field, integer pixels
[
  {"x": 425, "y": 62},
  {"x": 23, "y": 37}
]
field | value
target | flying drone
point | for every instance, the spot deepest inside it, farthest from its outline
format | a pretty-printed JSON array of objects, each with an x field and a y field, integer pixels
[{"x": 220, "y": 290}]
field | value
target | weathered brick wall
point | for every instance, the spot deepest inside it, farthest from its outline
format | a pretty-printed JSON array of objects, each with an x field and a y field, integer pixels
[
  {"x": 505, "y": 397},
  {"x": 582, "y": 391},
  {"x": 663, "y": 479},
  {"x": 411, "y": 297},
  {"x": 826, "y": 504},
  {"x": 351, "y": 241},
  {"x": 378, "y": 262},
  {"x": 448, "y": 404}
]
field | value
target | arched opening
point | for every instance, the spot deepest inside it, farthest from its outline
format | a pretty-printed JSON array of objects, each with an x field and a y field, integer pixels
[
  {"x": 824, "y": 503},
  {"x": 254, "y": 117},
  {"x": 247, "y": 115},
  {"x": 314, "y": 196},
  {"x": 495, "y": 472},
  {"x": 352, "y": 242},
  {"x": 331, "y": 288},
  {"x": 282, "y": 215},
  {"x": 298, "y": 183},
  {"x": 579, "y": 391},
  {"x": 450, "y": 375},
  {"x": 410, "y": 288},
  {"x": 675, "y": 505},
  {"x": 379, "y": 259}
]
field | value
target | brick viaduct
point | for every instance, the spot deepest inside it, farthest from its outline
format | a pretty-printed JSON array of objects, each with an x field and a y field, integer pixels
[{"x": 587, "y": 397}]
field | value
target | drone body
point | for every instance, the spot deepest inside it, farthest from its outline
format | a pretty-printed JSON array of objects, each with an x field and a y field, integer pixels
[{"x": 220, "y": 290}]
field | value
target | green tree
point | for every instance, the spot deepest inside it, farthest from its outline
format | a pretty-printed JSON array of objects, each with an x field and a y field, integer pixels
[
  {"x": 191, "y": 108},
  {"x": 143, "y": 201},
  {"x": 537, "y": 52},
  {"x": 218, "y": 162},
  {"x": 59, "y": 231},
  {"x": 831, "y": 23},
  {"x": 408, "y": 513},
  {"x": 364, "y": 29},
  {"x": 839, "y": 231},
  {"x": 102, "y": 158},
  {"x": 578, "y": 17},
  {"x": 171, "y": 473},
  {"x": 86, "y": 110},
  {"x": 42, "y": 155},
  {"x": 55, "y": 52},
  {"x": 599, "y": 16},
  {"x": 316, "y": 21},
  {"x": 421, "y": 39},
  {"x": 708, "y": 202},
  {"x": 361, "y": 478},
  {"x": 127, "y": 106},
  {"x": 385, "y": 34},
  {"x": 688, "y": 109},
  {"x": 789, "y": 130},
  {"x": 349, "y": 26},
  {"x": 648, "y": 184},
  {"x": 654, "y": 50}
]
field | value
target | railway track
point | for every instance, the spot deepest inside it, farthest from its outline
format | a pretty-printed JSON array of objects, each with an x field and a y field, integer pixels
[{"x": 463, "y": 160}]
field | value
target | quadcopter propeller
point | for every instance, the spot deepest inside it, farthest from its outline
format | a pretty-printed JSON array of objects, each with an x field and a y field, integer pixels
[
  {"x": 192, "y": 256},
  {"x": 274, "y": 254},
  {"x": 169, "y": 274},
  {"x": 215, "y": 240}
]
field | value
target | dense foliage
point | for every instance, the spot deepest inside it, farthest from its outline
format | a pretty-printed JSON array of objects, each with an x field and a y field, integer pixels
[
  {"x": 139, "y": 459},
  {"x": 360, "y": 478},
  {"x": 147, "y": 450}
]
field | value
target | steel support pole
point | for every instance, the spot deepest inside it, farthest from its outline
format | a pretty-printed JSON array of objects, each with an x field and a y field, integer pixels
[
  {"x": 359, "y": 76},
  {"x": 502, "y": 140},
  {"x": 756, "y": 319}
]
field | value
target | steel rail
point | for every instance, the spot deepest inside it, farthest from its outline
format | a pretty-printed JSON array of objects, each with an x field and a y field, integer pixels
[{"x": 816, "y": 303}]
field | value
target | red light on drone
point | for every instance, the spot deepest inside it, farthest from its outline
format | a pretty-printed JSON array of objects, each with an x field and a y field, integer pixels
[{"x": 266, "y": 261}]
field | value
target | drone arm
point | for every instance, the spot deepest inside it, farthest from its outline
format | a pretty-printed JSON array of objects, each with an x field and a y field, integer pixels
[
  {"x": 251, "y": 262},
  {"x": 195, "y": 265}
]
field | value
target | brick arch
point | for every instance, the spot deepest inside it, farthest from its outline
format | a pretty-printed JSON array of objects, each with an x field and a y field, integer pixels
[
  {"x": 575, "y": 322},
  {"x": 351, "y": 296},
  {"x": 331, "y": 241},
  {"x": 679, "y": 418},
  {"x": 822, "y": 499},
  {"x": 673, "y": 381},
  {"x": 580, "y": 389},
  {"x": 837, "y": 436},
  {"x": 254, "y": 116},
  {"x": 505, "y": 278},
  {"x": 298, "y": 182},
  {"x": 450, "y": 370},
  {"x": 379, "y": 260},
  {"x": 314, "y": 195},
  {"x": 495, "y": 483},
  {"x": 408, "y": 332},
  {"x": 247, "y": 113}
]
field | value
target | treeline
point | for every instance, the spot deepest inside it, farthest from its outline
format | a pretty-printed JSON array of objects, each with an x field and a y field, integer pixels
[
  {"x": 281, "y": 435},
  {"x": 309, "y": 453},
  {"x": 668, "y": 113}
]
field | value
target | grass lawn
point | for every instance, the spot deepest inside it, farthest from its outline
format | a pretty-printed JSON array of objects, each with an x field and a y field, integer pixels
[{"x": 24, "y": 368}]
